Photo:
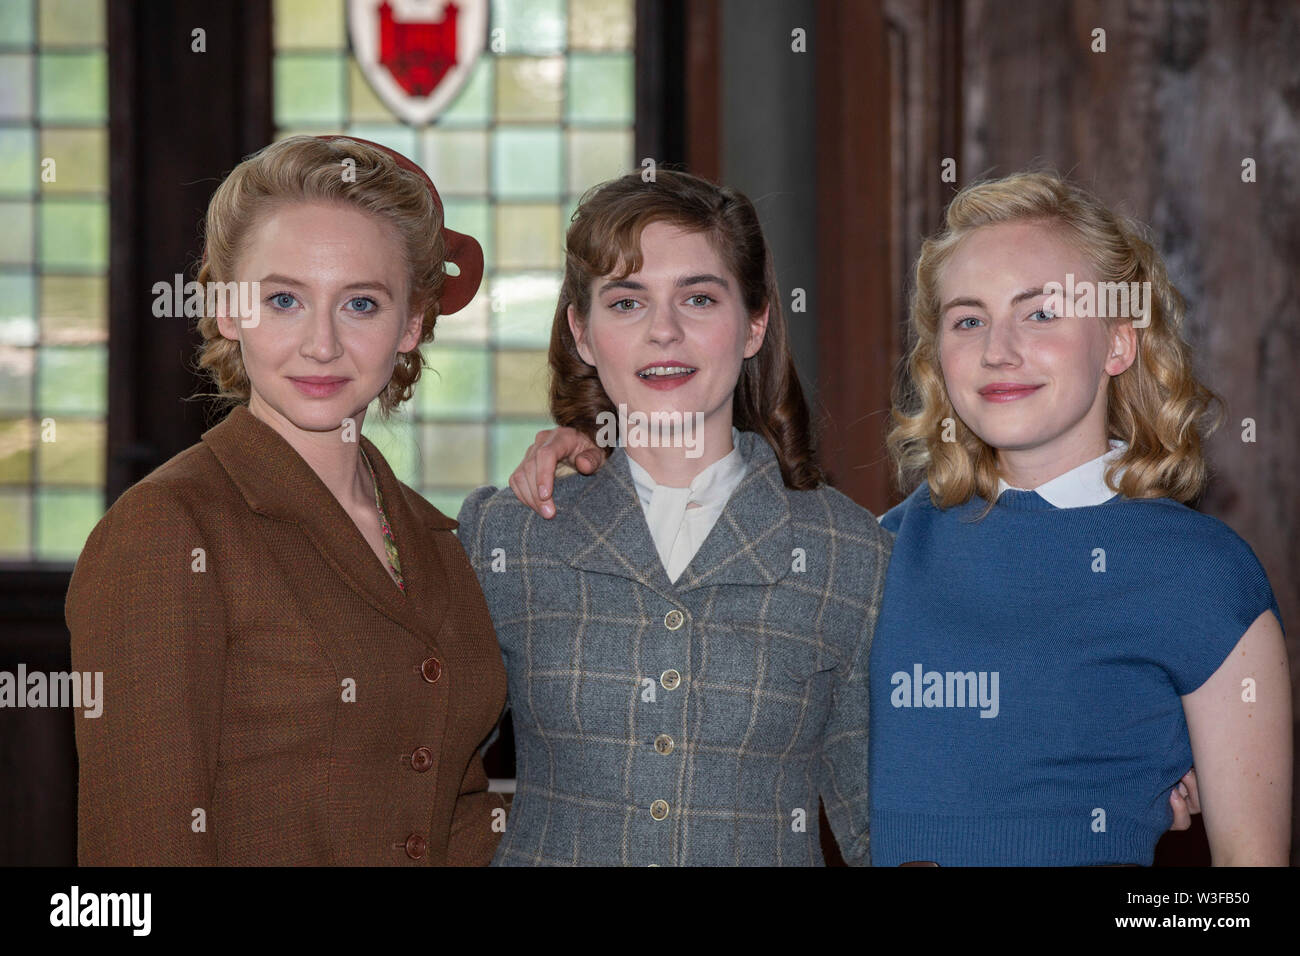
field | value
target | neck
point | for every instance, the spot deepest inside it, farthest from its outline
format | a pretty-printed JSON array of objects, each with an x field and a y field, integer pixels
[
  {"x": 673, "y": 467},
  {"x": 336, "y": 463},
  {"x": 1031, "y": 467}
]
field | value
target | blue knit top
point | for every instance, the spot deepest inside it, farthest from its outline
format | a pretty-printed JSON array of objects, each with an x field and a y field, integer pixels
[{"x": 1026, "y": 672}]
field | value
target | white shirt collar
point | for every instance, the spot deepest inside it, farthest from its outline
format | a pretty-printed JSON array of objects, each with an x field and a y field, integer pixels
[
  {"x": 710, "y": 488},
  {"x": 1079, "y": 487}
]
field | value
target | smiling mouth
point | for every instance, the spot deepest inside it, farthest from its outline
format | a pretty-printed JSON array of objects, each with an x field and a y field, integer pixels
[{"x": 665, "y": 371}]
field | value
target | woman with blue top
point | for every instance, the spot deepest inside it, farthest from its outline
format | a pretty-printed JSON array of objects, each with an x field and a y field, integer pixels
[
  {"x": 686, "y": 644},
  {"x": 1062, "y": 636}
]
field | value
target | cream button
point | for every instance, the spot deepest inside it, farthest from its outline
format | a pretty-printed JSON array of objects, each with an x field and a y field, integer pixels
[
  {"x": 674, "y": 619},
  {"x": 659, "y": 809},
  {"x": 664, "y": 744},
  {"x": 670, "y": 679}
]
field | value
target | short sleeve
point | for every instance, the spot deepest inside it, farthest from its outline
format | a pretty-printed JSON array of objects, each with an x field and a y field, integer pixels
[{"x": 1218, "y": 590}]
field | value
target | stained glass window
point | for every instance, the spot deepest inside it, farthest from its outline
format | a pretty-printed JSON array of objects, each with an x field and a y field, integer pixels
[
  {"x": 546, "y": 113},
  {"x": 53, "y": 276}
]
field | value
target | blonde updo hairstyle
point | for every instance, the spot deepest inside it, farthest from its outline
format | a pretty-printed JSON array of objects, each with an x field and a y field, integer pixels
[
  {"x": 308, "y": 169},
  {"x": 1156, "y": 405}
]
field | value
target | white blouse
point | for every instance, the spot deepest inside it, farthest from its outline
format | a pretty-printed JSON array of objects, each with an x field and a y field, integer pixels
[
  {"x": 679, "y": 530},
  {"x": 1079, "y": 487}
]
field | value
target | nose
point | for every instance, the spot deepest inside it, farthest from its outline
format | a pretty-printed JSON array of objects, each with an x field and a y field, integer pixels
[
  {"x": 320, "y": 338},
  {"x": 1001, "y": 343},
  {"x": 665, "y": 325}
]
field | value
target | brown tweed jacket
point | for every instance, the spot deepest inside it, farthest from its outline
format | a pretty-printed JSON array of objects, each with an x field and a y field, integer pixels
[{"x": 270, "y": 695}]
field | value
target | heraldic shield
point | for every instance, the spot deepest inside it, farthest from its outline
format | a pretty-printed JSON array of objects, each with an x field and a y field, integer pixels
[{"x": 417, "y": 54}]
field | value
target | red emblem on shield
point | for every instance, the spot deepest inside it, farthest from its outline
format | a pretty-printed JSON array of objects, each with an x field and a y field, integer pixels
[{"x": 417, "y": 54}]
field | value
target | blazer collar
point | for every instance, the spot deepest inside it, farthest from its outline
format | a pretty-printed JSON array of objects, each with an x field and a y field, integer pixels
[
  {"x": 606, "y": 529},
  {"x": 275, "y": 481}
]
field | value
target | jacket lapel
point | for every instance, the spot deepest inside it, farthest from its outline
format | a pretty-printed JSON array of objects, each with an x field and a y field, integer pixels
[
  {"x": 276, "y": 482},
  {"x": 750, "y": 544}
]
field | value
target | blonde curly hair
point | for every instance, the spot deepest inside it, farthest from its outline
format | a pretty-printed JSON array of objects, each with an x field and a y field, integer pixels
[
  {"x": 309, "y": 169},
  {"x": 1156, "y": 405}
]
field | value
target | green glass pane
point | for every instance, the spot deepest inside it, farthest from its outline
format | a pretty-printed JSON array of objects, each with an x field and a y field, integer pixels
[
  {"x": 525, "y": 308},
  {"x": 526, "y": 163},
  {"x": 529, "y": 236},
  {"x": 16, "y": 23},
  {"x": 457, "y": 160},
  {"x": 74, "y": 456},
  {"x": 17, "y": 161},
  {"x": 521, "y": 383},
  {"x": 18, "y": 324},
  {"x": 72, "y": 381},
  {"x": 15, "y": 86},
  {"x": 509, "y": 442},
  {"x": 457, "y": 384},
  {"x": 473, "y": 104},
  {"x": 16, "y": 236},
  {"x": 71, "y": 22},
  {"x": 601, "y": 24},
  {"x": 472, "y": 217},
  {"x": 529, "y": 26},
  {"x": 400, "y": 138},
  {"x": 16, "y": 438},
  {"x": 74, "y": 234},
  {"x": 448, "y": 502},
  {"x": 72, "y": 87},
  {"x": 365, "y": 104},
  {"x": 74, "y": 310},
  {"x": 302, "y": 24},
  {"x": 17, "y": 365},
  {"x": 598, "y": 155},
  {"x": 601, "y": 88},
  {"x": 395, "y": 439},
  {"x": 530, "y": 89},
  {"x": 454, "y": 455},
  {"x": 309, "y": 89},
  {"x": 80, "y": 159},
  {"x": 15, "y": 525},
  {"x": 64, "y": 519}
]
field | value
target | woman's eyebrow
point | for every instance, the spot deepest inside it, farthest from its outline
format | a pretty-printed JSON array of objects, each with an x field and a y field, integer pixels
[
  {"x": 702, "y": 278},
  {"x": 979, "y": 303},
  {"x": 620, "y": 284},
  {"x": 368, "y": 284}
]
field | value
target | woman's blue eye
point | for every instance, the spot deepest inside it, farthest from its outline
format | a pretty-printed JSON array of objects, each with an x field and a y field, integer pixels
[
  {"x": 282, "y": 300},
  {"x": 700, "y": 295},
  {"x": 1047, "y": 314},
  {"x": 365, "y": 302},
  {"x": 618, "y": 306},
  {"x": 969, "y": 318}
]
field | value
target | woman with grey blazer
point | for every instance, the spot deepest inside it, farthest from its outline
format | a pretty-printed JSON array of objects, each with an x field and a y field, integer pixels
[{"x": 686, "y": 642}]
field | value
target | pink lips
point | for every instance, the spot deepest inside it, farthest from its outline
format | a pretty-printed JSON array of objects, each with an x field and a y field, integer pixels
[
  {"x": 1007, "y": 391},
  {"x": 664, "y": 383},
  {"x": 318, "y": 386}
]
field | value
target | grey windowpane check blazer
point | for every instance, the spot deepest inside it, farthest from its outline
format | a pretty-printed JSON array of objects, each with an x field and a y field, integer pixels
[{"x": 693, "y": 723}]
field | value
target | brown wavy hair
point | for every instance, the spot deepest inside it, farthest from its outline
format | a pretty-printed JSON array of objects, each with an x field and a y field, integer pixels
[
  {"x": 307, "y": 169},
  {"x": 604, "y": 239},
  {"x": 1156, "y": 405}
]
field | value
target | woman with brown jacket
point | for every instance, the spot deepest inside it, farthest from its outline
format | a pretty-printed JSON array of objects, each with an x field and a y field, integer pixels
[{"x": 299, "y": 666}]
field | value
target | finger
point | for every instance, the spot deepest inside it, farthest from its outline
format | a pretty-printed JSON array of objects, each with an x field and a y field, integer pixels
[
  {"x": 1182, "y": 818},
  {"x": 1190, "y": 791}
]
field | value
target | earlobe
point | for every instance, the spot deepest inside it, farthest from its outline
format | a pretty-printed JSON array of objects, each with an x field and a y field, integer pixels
[
  {"x": 226, "y": 326},
  {"x": 411, "y": 337}
]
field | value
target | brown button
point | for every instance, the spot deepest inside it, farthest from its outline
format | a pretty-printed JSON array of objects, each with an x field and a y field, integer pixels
[
  {"x": 670, "y": 679},
  {"x": 421, "y": 759},
  {"x": 416, "y": 846},
  {"x": 431, "y": 670},
  {"x": 674, "y": 619},
  {"x": 659, "y": 809},
  {"x": 664, "y": 744}
]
